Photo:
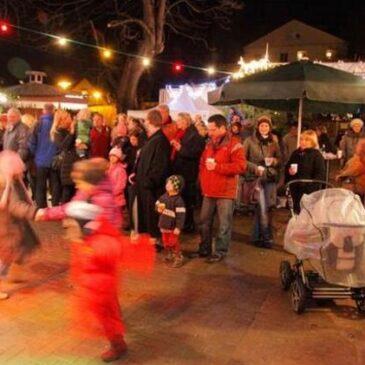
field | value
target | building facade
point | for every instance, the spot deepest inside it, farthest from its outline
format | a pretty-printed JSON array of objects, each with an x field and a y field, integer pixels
[{"x": 297, "y": 40}]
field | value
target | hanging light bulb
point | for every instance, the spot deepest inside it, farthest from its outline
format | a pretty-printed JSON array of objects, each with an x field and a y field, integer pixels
[
  {"x": 146, "y": 61},
  {"x": 211, "y": 70},
  {"x": 62, "y": 41},
  {"x": 107, "y": 53}
]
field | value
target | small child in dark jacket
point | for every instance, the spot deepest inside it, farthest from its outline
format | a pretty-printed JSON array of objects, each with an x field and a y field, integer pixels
[{"x": 172, "y": 217}]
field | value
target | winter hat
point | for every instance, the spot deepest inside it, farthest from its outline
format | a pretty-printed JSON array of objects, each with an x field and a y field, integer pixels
[
  {"x": 177, "y": 181},
  {"x": 264, "y": 119},
  {"x": 116, "y": 151},
  {"x": 357, "y": 121}
]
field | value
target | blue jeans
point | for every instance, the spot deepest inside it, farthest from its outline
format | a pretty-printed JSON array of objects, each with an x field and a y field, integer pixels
[
  {"x": 224, "y": 209},
  {"x": 262, "y": 230}
]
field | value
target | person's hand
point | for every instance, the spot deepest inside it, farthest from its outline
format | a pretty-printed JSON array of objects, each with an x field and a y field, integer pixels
[
  {"x": 176, "y": 144},
  {"x": 259, "y": 170},
  {"x": 176, "y": 231},
  {"x": 210, "y": 165},
  {"x": 338, "y": 178},
  {"x": 40, "y": 215}
]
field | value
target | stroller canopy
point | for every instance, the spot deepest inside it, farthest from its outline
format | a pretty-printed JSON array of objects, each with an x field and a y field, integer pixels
[{"x": 330, "y": 232}]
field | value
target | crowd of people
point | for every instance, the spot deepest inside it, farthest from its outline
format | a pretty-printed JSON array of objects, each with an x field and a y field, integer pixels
[{"x": 148, "y": 177}]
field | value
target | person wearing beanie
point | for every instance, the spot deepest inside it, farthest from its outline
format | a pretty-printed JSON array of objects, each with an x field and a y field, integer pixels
[
  {"x": 118, "y": 176},
  {"x": 172, "y": 211},
  {"x": 263, "y": 169},
  {"x": 351, "y": 138}
]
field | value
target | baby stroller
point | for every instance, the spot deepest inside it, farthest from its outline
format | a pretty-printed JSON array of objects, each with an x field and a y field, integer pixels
[{"x": 329, "y": 233}]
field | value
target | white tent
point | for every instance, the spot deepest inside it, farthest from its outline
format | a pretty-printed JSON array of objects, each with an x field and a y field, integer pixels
[{"x": 183, "y": 103}]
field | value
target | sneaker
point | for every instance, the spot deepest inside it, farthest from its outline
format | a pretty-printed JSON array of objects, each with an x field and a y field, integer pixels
[
  {"x": 177, "y": 261},
  {"x": 4, "y": 295},
  {"x": 215, "y": 257}
]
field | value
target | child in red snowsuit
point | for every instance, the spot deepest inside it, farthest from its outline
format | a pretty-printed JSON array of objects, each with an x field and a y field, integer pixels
[{"x": 97, "y": 248}]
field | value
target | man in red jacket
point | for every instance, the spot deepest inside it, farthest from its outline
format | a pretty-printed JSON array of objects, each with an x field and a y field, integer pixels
[
  {"x": 220, "y": 164},
  {"x": 99, "y": 138}
]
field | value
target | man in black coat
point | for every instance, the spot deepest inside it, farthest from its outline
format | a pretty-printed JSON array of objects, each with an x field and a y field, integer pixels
[
  {"x": 188, "y": 150},
  {"x": 151, "y": 175}
]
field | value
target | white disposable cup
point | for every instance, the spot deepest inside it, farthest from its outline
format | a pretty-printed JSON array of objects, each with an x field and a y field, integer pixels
[
  {"x": 339, "y": 154},
  {"x": 268, "y": 161},
  {"x": 294, "y": 167},
  {"x": 261, "y": 169}
]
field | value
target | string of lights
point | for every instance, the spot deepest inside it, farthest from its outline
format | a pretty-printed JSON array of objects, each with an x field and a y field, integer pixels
[{"x": 107, "y": 53}]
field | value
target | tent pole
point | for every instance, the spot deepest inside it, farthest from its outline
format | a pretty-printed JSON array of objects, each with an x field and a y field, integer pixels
[{"x": 300, "y": 116}]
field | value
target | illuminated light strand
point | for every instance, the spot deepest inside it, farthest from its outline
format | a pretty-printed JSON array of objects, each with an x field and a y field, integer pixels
[{"x": 102, "y": 49}]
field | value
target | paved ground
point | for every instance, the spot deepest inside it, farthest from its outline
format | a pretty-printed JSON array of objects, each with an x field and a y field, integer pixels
[{"x": 230, "y": 313}]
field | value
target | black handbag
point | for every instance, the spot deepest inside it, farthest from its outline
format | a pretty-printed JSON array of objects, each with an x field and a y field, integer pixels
[{"x": 57, "y": 161}]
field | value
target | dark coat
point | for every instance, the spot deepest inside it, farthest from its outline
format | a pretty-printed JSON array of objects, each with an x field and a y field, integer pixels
[
  {"x": 311, "y": 165},
  {"x": 152, "y": 171},
  {"x": 65, "y": 143},
  {"x": 187, "y": 159}
]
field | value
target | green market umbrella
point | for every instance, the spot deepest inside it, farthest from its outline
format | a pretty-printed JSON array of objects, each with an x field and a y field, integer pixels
[{"x": 298, "y": 86}]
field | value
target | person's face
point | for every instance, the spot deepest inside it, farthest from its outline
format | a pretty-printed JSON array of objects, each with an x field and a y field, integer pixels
[
  {"x": 356, "y": 128},
  {"x": 169, "y": 187},
  {"x": 134, "y": 141},
  {"x": 235, "y": 130},
  {"x": 215, "y": 132},
  {"x": 264, "y": 129},
  {"x": 98, "y": 121},
  {"x": 113, "y": 159},
  {"x": 305, "y": 142},
  {"x": 181, "y": 123},
  {"x": 236, "y": 118},
  {"x": 13, "y": 117}
]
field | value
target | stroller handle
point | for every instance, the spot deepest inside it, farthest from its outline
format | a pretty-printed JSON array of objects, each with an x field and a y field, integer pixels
[{"x": 309, "y": 181}]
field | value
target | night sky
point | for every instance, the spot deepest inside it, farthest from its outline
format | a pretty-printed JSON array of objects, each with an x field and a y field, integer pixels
[{"x": 345, "y": 19}]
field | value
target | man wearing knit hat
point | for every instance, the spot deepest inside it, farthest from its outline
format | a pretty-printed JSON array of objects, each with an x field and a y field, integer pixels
[{"x": 351, "y": 138}]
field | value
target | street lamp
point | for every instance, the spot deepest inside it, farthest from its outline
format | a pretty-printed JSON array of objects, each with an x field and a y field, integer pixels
[
  {"x": 64, "y": 84},
  {"x": 97, "y": 94},
  {"x": 62, "y": 41},
  {"x": 146, "y": 61}
]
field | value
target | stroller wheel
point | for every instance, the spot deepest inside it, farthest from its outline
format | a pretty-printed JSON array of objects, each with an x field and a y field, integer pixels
[
  {"x": 286, "y": 275},
  {"x": 298, "y": 295},
  {"x": 360, "y": 304}
]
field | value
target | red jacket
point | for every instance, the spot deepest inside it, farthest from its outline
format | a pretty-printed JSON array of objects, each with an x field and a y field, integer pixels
[
  {"x": 100, "y": 142},
  {"x": 222, "y": 182}
]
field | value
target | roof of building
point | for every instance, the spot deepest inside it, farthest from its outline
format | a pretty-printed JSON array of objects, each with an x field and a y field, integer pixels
[
  {"x": 33, "y": 89},
  {"x": 292, "y": 23}
]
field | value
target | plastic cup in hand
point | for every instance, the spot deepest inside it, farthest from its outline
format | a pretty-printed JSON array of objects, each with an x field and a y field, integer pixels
[
  {"x": 339, "y": 154},
  {"x": 268, "y": 161},
  {"x": 261, "y": 170},
  {"x": 294, "y": 168}
]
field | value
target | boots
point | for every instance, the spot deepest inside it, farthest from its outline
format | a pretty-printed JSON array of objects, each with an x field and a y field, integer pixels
[
  {"x": 168, "y": 255},
  {"x": 15, "y": 273},
  {"x": 118, "y": 348}
]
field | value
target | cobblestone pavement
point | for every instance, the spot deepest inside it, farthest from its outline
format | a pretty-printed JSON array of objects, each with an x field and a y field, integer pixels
[{"x": 228, "y": 313}]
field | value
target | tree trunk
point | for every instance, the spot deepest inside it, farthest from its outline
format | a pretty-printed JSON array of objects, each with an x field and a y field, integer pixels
[{"x": 128, "y": 85}]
